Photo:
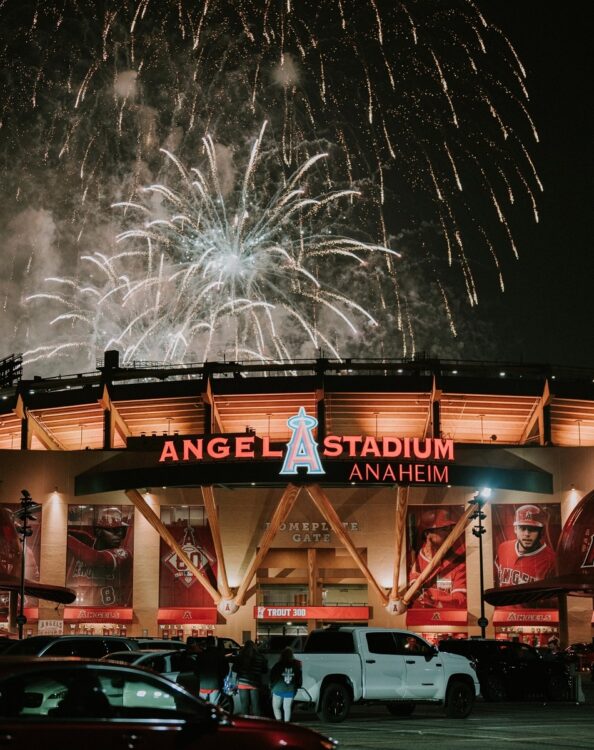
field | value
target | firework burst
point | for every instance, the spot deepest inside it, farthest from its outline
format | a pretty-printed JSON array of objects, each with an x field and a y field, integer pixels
[
  {"x": 239, "y": 269},
  {"x": 423, "y": 106}
]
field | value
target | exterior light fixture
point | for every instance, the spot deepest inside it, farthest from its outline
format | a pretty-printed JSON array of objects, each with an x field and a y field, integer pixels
[
  {"x": 24, "y": 514},
  {"x": 479, "y": 499}
]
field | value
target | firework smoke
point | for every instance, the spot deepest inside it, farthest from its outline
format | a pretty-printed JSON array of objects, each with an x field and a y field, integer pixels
[{"x": 421, "y": 105}]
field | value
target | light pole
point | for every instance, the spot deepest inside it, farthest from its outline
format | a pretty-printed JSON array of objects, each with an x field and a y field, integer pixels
[
  {"x": 479, "y": 500},
  {"x": 24, "y": 514}
]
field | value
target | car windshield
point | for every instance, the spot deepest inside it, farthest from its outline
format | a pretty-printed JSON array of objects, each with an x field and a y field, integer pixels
[{"x": 83, "y": 692}]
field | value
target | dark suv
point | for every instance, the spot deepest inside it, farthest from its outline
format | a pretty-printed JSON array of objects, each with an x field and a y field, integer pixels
[
  {"x": 512, "y": 670},
  {"x": 89, "y": 646}
]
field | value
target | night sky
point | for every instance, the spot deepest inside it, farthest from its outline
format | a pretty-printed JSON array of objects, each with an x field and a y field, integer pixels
[
  {"x": 65, "y": 163},
  {"x": 546, "y": 312}
]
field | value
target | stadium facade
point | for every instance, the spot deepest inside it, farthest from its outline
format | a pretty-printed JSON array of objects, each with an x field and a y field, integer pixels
[{"x": 251, "y": 499}]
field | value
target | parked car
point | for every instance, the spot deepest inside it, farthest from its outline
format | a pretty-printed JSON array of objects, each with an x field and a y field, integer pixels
[
  {"x": 89, "y": 646},
  {"x": 102, "y": 704},
  {"x": 348, "y": 665},
  {"x": 228, "y": 645},
  {"x": 150, "y": 644},
  {"x": 5, "y": 643},
  {"x": 512, "y": 670},
  {"x": 176, "y": 666},
  {"x": 581, "y": 654}
]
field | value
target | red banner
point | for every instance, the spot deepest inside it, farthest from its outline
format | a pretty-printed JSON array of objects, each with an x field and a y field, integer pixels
[
  {"x": 524, "y": 543},
  {"x": 421, "y": 617},
  {"x": 189, "y": 615},
  {"x": 99, "y": 555},
  {"x": 33, "y": 550},
  {"x": 312, "y": 613},
  {"x": 445, "y": 590},
  {"x": 97, "y": 614},
  {"x": 178, "y": 587},
  {"x": 525, "y": 616},
  {"x": 31, "y": 613}
]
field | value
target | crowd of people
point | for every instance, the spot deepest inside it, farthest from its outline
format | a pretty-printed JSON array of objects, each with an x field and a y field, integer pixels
[{"x": 258, "y": 696}]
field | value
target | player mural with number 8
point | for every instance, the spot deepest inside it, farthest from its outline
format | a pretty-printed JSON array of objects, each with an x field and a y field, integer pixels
[{"x": 99, "y": 561}]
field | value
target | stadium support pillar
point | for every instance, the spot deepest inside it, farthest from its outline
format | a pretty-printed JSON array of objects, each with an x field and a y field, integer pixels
[
  {"x": 140, "y": 503},
  {"x": 213, "y": 521},
  {"x": 575, "y": 619},
  {"x": 323, "y": 504},
  {"x": 279, "y": 516}
]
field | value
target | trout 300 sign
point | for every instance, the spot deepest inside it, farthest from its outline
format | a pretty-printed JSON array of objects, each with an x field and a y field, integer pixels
[{"x": 417, "y": 458}]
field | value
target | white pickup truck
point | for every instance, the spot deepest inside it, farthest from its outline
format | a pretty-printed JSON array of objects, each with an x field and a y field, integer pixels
[{"x": 348, "y": 665}]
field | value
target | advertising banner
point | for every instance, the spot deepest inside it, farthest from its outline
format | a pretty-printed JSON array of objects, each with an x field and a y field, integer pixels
[
  {"x": 428, "y": 526},
  {"x": 99, "y": 555},
  {"x": 525, "y": 539},
  {"x": 178, "y": 587},
  {"x": 33, "y": 552},
  {"x": 312, "y": 613}
]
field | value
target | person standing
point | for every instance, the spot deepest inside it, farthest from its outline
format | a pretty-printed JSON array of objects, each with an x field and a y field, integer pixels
[
  {"x": 285, "y": 680},
  {"x": 212, "y": 668},
  {"x": 250, "y": 666}
]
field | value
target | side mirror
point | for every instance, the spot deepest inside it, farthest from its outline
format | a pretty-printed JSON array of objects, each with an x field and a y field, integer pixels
[{"x": 433, "y": 652}]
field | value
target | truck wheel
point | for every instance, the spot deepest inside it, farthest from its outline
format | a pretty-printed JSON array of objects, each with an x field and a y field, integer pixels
[
  {"x": 459, "y": 700},
  {"x": 335, "y": 703},
  {"x": 400, "y": 708},
  {"x": 493, "y": 689}
]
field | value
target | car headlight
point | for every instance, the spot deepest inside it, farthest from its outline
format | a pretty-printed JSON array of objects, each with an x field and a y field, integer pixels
[{"x": 328, "y": 743}]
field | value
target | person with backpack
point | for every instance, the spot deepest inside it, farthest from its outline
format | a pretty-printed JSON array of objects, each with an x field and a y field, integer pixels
[
  {"x": 250, "y": 666},
  {"x": 285, "y": 680}
]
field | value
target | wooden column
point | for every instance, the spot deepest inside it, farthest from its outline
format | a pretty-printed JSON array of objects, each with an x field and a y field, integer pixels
[
  {"x": 325, "y": 507},
  {"x": 213, "y": 520},
  {"x": 280, "y": 514},
  {"x": 448, "y": 542},
  {"x": 399, "y": 536},
  {"x": 140, "y": 503},
  {"x": 313, "y": 588}
]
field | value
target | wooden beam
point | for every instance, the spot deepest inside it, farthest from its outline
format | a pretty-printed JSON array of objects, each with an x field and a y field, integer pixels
[
  {"x": 213, "y": 520},
  {"x": 312, "y": 577},
  {"x": 399, "y": 535},
  {"x": 280, "y": 515},
  {"x": 154, "y": 520},
  {"x": 31, "y": 427},
  {"x": 448, "y": 542},
  {"x": 118, "y": 422},
  {"x": 326, "y": 508},
  {"x": 208, "y": 398}
]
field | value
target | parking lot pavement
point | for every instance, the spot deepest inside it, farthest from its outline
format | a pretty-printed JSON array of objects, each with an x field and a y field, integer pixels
[{"x": 512, "y": 726}]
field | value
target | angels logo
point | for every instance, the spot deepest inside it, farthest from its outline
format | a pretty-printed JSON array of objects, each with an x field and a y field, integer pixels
[
  {"x": 302, "y": 449},
  {"x": 199, "y": 557}
]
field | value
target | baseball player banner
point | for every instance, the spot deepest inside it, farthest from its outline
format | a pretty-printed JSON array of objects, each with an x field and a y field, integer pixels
[
  {"x": 524, "y": 542},
  {"x": 99, "y": 554},
  {"x": 32, "y": 554},
  {"x": 178, "y": 587},
  {"x": 427, "y": 528}
]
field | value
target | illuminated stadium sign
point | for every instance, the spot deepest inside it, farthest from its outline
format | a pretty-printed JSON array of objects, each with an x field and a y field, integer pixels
[{"x": 302, "y": 452}]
